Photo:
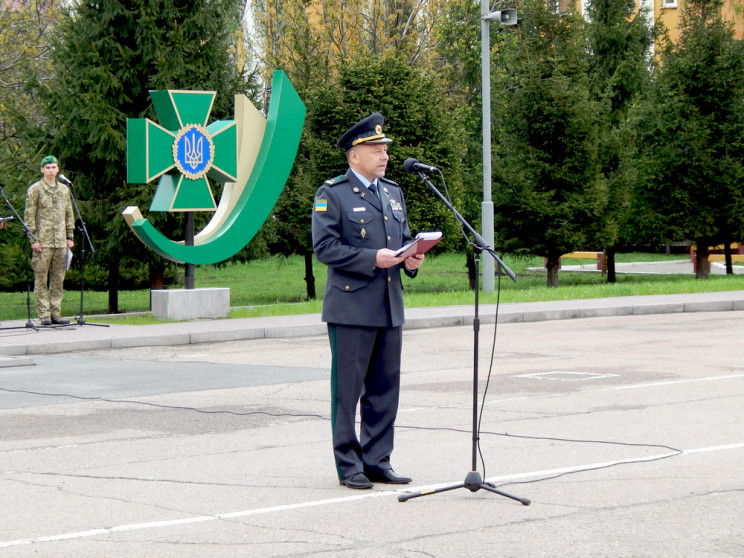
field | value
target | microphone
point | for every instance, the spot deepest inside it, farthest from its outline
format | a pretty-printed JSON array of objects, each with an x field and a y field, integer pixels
[
  {"x": 63, "y": 178},
  {"x": 412, "y": 165}
]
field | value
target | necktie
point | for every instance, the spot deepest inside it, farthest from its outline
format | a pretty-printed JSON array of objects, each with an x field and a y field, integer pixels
[{"x": 373, "y": 188}]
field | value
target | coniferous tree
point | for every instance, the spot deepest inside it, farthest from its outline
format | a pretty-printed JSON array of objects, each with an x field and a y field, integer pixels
[
  {"x": 414, "y": 117},
  {"x": 458, "y": 34},
  {"x": 322, "y": 46},
  {"x": 25, "y": 30},
  {"x": 299, "y": 46},
  {"x": 550, "y": 192},
  {"x": 691, "y": 137},
  {"x": 109, "y": 54},
  {"x": 619, "y": 42}
]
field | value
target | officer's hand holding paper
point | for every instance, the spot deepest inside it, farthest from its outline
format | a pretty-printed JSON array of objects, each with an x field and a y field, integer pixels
[{"x": 420, "y": 245}]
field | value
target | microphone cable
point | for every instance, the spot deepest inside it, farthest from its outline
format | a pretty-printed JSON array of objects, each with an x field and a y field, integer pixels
[
  {"x": 675, "y": 451},
  {"x": 161, "y": 406},
  {"x": 476, "y": 249},
  {"x": 490, "y": 370}
]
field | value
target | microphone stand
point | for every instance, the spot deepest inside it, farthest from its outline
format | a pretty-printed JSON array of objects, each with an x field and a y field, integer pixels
[
  {"x": 474, "y": 480},
  {"x": 29, "y": 324},
  {"x": 86, "y": 240}
]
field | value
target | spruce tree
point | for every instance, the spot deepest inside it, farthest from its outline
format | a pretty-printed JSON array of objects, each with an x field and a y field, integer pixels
[
  {"x": 409, "y": 99},
  {"x": 345, "y": 67},
  {"x": 691, "y": 137},
  {"x": 619, "y": 43},
  {"x": 25, "y": 30},
  {"x": 108, "y": 55},
  {"x": 550, "y": 194}
]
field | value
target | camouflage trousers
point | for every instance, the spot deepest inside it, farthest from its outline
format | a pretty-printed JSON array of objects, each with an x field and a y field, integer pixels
[{"x": 49, "y": 275}]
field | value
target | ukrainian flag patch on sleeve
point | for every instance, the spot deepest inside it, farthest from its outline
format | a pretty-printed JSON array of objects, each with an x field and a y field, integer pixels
[{"x": 321, "y": 204}]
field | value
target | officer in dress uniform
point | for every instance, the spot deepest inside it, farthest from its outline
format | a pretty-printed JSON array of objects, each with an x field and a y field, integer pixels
[{"x": 359, "y": 220}]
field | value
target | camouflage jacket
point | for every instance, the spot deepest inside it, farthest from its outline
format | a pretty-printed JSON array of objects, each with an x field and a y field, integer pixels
[{"x": 49, "y": 215}]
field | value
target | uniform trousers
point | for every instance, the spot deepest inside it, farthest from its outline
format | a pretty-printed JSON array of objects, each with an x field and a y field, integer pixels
[
  {"x": 365, "y": 369},
  {"x": 49, "y": 276}
]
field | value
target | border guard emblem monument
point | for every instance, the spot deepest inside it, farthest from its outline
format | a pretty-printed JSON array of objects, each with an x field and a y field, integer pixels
[{"x": 251, "y": 154}]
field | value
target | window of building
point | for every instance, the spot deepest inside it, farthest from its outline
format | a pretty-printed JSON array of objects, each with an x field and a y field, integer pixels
[
  {"x": 669, "y": 4},
  {"x": 561, "y": 6}
]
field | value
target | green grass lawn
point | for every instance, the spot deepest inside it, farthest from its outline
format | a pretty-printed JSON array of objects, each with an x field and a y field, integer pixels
[{"x": 276, "y": 286}]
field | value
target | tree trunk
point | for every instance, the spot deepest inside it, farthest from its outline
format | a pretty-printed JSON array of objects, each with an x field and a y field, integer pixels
[
  {"x": 470, "y": 266},
  {"x": 157, "y": 282},
  {"x": 727, "y": 256},
  {"x": 553, "y": 265},
  {"x": 610, "y": 264},
  {"x": 309, "y": 277},
  {"x": 702, "y": 266},
  {"x": 113, "y": 287}
]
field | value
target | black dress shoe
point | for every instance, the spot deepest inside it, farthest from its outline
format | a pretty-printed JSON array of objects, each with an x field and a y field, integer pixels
[
  {"x": 60, "y": 321},
  {"x": 357, "y": 480},
  {"x": 388, "y": 476}
]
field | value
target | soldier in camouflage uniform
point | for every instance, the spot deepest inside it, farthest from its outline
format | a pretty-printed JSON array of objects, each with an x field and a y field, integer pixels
[{"x": 50, "y": 219}]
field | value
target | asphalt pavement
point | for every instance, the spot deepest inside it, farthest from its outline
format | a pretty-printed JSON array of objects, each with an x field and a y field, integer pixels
[
  {"x": 18, "y": 340},
  {"x": 620, "y": 420}
]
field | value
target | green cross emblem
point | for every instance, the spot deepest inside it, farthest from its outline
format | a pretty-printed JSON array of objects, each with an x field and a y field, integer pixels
[
  {"x": 183, "y": 152},
  {"x": 252, "y": 154}
]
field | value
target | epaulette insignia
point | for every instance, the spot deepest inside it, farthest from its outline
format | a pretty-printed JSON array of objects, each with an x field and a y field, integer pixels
[{"x": 337, "y": 180}]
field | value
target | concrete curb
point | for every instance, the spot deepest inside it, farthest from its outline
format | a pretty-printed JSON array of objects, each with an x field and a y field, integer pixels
[{"x": 85, "y": 338}]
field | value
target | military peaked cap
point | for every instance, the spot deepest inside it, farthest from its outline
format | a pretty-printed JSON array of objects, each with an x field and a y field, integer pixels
[{"x": 368, "y": 130}]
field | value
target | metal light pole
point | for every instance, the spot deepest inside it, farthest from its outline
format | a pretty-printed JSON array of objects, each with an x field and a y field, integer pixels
[{"x": 504, "y": 17}]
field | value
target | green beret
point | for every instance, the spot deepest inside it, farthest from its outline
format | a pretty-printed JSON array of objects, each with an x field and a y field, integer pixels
[{"x": 47, "y": 160}]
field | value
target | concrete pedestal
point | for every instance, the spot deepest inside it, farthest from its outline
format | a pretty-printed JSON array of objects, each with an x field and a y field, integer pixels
[{"x": 190, "y": 304}]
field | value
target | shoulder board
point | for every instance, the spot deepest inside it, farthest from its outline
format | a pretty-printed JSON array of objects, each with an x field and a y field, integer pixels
[
  {"x": 383, "y": 179},
  {"x": 337, "y": 180}
]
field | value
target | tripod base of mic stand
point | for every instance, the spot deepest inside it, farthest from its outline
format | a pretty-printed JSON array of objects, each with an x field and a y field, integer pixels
[
  {"x": 81, "y": 322},
  {"x": 473, "y": 482},
  {"x": 51, "y": 326},
  {"x": 29, "y": 325}
]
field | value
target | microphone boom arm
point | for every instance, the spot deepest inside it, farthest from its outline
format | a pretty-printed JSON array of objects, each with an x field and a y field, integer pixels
[
  {"x": 83, "y": 228},
  {"x": 480, "y": 242},
  {"x": 29, "y": 234}
]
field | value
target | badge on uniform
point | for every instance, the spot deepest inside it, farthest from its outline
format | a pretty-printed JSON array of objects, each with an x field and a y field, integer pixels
[
  {"x": 396, "y": 206},
  {"x": 321, "y": 205}
]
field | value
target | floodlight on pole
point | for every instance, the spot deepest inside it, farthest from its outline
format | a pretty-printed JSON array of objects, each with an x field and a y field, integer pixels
[{"x": 503, "y": 17}]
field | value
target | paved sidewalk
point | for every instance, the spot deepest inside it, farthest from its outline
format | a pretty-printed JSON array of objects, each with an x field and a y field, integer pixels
[
  {"x": 24, "y": 342},
  {"x": 626, "y": 434},
  {"x": 676, "y": 267}
]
